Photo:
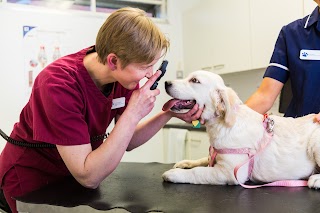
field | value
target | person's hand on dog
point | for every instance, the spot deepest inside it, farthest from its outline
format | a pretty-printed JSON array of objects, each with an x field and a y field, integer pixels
[
  {"x": 317, "y": 118},
  {"x": 192, "y": 115},
  {"x": 142, "y": 100}
]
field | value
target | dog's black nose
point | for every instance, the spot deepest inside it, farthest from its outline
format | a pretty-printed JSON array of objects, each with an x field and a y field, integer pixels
[{"x": 167, "y": 84}]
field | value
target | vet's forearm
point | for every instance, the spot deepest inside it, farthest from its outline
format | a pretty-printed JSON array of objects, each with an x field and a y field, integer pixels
[
  {"x": 147, "y": 129},
  {"x": 93, "y": 167}
]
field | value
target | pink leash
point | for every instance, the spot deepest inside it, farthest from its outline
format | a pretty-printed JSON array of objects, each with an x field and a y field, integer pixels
[{"x": 268, "y": 124}]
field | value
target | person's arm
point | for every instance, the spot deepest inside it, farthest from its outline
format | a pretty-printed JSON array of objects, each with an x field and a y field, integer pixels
[
  {"x": 265, "y": 96},
  {"x": 89, "y": 167},
  {"x": 147, "y": 129}
]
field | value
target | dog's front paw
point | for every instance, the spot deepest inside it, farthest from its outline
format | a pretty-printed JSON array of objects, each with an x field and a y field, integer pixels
[
  {"x": 184, "y": 164},
  {"x": 174, "y": 175},
  {"x": 314, "y": 181}
]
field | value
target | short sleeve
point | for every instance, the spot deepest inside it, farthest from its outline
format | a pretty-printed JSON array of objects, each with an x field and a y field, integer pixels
[
  {"x": 278, "y": 67},
  {"x": 58, "y": 111}
]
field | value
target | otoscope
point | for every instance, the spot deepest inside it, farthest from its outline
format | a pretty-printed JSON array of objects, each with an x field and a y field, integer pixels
[{"x": 162, "y": 67}]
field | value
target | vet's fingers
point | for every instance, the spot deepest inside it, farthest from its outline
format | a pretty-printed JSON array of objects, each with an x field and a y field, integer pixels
[
  {"x": 197, "y": 115},
  {"x": 192, "y": 111},
  {"x": 316, "y": 118},
  {"x": 151, "y": 80},
  {"x": 195, "y": 112},
  {"x": 202, "y": 121}
]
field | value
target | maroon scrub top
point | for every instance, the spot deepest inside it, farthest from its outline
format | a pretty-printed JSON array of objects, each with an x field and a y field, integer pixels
[{"x": 65, "y": 108}]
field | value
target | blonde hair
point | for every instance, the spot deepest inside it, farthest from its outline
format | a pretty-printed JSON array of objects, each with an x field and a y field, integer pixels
[{"x": 132, "y": 36}]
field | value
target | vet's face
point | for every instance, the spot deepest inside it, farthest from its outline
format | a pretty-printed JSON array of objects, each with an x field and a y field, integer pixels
[{"x": 193, "y": 89}]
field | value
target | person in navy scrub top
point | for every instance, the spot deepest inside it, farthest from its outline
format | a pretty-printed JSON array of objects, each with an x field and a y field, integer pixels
[
  {"x": 296, "y": 57},
  {"x": 75, "y": 98}
]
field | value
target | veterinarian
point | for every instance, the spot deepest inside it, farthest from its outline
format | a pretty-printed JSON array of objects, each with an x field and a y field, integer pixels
[
  {"x": 296, "y": 56},
  {"x": 75, "y": 98}
]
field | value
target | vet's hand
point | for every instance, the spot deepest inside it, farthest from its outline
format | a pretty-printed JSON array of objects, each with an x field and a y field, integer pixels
[
  {"x": 317, "y": 118},
  {"x": 142, "y": 100},
  {"x": 192, "y": 115}
]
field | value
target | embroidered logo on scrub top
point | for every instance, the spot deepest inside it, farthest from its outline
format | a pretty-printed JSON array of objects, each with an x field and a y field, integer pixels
[
  {"x": 310, "y": 54},
  {"x": 118, "y": 102}
]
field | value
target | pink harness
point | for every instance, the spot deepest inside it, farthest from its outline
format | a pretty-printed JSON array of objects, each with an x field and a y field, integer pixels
[{"x": 268, "y": 123}]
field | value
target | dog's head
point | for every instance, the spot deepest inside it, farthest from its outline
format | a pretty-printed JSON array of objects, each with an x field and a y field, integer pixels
[{"x": 206, "y": 89}]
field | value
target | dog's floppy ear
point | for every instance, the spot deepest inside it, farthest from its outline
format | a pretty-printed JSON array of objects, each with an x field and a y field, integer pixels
[{"x": 225, "y": 102}]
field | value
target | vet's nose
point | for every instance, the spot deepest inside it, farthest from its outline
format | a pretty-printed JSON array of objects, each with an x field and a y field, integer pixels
[
  {"x": 167, "y": 84},
  {"x": 149, "y": 73}
]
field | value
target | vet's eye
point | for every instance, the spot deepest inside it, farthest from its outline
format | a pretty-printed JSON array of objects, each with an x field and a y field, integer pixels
[{"x": 194, "y": 80}]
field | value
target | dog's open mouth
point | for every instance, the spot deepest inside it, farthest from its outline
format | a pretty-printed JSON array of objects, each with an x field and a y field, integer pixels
[{"x": 177, "y": 105}]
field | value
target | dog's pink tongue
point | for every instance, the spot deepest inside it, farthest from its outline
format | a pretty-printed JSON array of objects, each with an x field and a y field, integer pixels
[{"x": 169, "y": 104}]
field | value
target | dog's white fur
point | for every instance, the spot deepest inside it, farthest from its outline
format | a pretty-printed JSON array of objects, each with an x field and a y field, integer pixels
[{"x": 293, "y": 152}]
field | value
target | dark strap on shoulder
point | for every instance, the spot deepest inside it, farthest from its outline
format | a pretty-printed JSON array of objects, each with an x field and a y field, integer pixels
[{"x": 91, "y": 50}]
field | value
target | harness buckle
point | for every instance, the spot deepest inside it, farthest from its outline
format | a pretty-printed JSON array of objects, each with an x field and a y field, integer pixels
[{"x": 270, "y": 125}]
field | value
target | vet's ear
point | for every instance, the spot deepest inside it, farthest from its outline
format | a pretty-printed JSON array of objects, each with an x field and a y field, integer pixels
[
  {"x": 112, "y": 61},
  {"x": 226, "y": 105}
]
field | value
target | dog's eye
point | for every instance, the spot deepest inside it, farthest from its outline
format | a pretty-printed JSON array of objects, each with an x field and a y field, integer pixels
[{"x": 194, "y": 80}]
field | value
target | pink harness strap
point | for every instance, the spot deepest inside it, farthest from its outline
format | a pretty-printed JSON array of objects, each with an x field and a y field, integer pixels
[
  {"x": 213, "y": 153},
  {"x": 286, "y": 183},
  {"x": 268, "y": 123}
]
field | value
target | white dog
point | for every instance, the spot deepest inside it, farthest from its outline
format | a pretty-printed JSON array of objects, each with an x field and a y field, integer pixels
[{"x": 292, "y": 147}]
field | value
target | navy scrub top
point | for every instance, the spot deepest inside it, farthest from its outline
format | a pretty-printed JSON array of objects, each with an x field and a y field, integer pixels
[{"x": 293, "y": 59}]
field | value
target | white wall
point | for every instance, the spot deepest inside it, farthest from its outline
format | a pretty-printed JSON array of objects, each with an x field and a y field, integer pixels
[
  {"x": 12, "y": 19},
  {"x": 82, "y": 27}
]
